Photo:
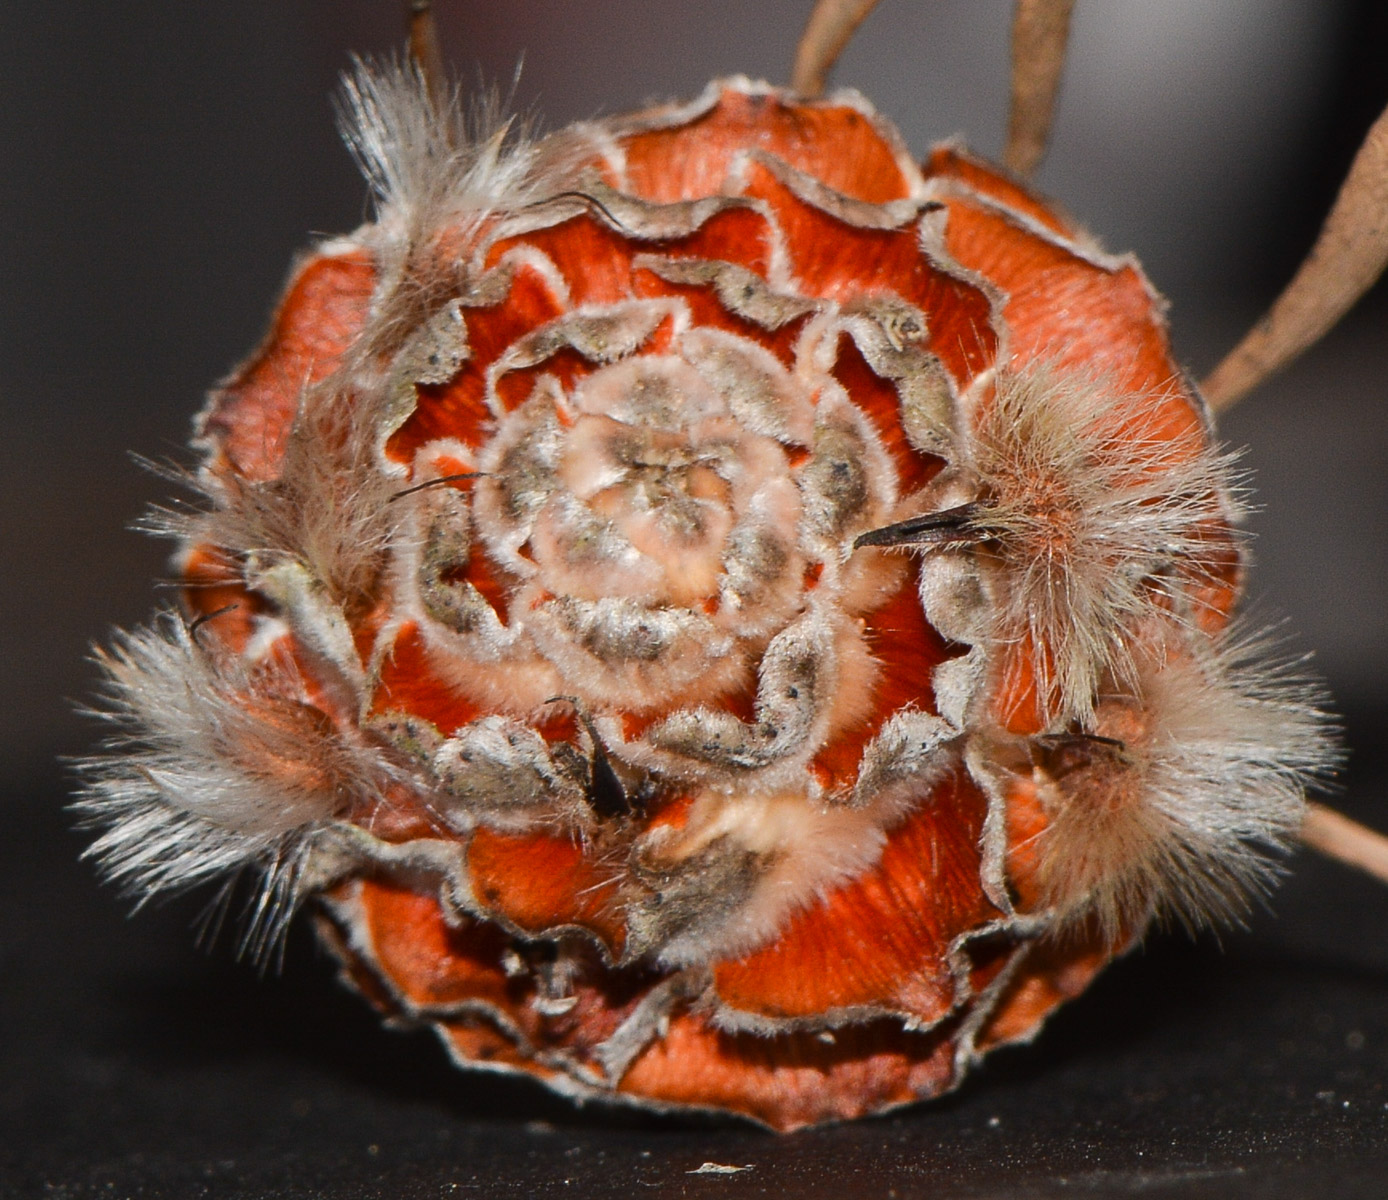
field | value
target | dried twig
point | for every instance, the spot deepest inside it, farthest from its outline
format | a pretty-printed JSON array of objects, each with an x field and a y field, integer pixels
[
  {"x": 1349, "y": 255},
  {"x": 1040, "y": 32},
  {"x": 424, "y": 46},
  {"x": 831, "y": 25},
  {"x": 1346, "y": 841}
]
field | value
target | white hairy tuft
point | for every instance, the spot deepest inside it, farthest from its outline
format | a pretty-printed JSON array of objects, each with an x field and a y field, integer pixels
[
  {"x": 1100, "y": 519},
  {"x": 1187, "y": 814},
  {"x": 329, "y": 509},
  {"x": 440, "y": 163},
  {"x": 212, "y": 767}
]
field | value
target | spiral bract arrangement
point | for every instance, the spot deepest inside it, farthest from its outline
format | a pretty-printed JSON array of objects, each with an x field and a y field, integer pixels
[{"x": 713, "y": 612}]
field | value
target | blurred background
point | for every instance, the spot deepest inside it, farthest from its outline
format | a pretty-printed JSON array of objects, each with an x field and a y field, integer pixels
[{"x": 161, "y": 163}]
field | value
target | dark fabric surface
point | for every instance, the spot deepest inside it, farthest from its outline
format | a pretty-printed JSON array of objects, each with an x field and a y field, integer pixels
[{"x": 133, "y": 1066}]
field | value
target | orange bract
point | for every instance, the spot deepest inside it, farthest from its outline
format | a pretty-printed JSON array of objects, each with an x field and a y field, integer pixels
[{"x": 717, "y": 548}]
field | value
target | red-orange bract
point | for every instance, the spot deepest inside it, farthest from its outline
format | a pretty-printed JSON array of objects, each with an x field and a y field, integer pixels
[{"x": 717, "y": 615}]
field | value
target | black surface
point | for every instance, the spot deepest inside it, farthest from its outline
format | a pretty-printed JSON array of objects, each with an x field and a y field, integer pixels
[{"x": 133, "y": 1066}]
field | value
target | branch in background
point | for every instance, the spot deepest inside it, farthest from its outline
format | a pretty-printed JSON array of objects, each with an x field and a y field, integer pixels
[
  {"x": 1040, "y": 33},
  {"x": 1346, "y": 841},
  {"x": 1347, "y": 259},
  {"x": 829, "y": 29},
  {"x": 424, "y": 47}
]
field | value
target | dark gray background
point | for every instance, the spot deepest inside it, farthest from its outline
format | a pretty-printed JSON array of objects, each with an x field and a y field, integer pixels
[{"x": 160, "y": 163}]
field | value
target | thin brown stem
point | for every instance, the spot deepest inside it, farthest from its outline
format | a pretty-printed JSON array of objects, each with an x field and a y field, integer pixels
[
  {"x": 828, "y": 31},
  {"x": 1040, "y": 33},
  {"x": 1348, "y": 257},
  {"x": 424, "y": 47},
  {"x": 1346, "y": 841}
]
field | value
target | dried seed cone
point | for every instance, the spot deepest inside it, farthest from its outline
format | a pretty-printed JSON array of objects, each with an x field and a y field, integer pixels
[{"x": 717, "y": 615}]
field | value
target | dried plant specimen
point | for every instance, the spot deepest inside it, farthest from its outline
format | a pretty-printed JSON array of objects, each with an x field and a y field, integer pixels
[{"x": 710, "y": 612}]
